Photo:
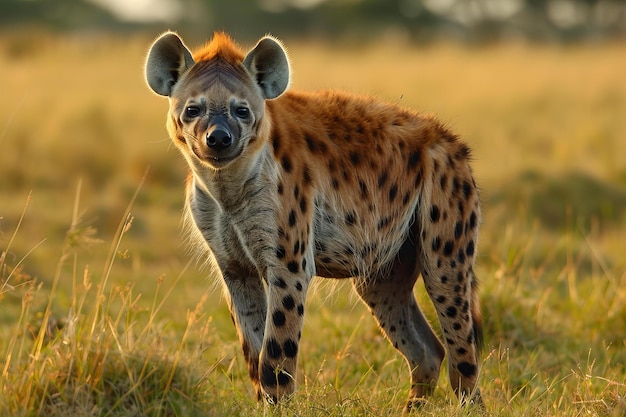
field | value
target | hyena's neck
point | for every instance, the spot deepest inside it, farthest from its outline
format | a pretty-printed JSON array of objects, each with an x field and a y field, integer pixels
[{"x": 246, "y": 180}]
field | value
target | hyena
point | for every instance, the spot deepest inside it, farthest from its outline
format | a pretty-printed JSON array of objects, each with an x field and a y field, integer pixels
[{"x": 288, "y": 185}]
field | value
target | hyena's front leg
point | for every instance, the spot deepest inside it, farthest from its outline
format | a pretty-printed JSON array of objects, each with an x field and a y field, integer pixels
[
  {"x": 279, "y": 355},
  {"x": 248, "y": 309},
  {"x": 288, "y": 280}
]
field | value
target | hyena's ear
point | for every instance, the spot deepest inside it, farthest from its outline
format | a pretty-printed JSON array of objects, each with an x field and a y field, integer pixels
[
  {"x": 268, "y": 65},
  {"x": 167, "y": 60}
]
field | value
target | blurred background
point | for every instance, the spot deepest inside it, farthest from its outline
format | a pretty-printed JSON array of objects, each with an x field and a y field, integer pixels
[{"x": 417, "y": 20}]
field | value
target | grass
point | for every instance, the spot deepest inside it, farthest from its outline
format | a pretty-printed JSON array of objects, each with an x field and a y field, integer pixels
[{"x": 102, "y": 313}]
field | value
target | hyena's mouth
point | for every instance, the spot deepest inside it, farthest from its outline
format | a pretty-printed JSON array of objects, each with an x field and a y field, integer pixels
[{"x": 217, "y": 160}]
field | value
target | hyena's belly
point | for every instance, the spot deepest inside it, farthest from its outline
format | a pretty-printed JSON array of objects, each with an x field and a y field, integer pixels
[{"x": 348, "y": 244}]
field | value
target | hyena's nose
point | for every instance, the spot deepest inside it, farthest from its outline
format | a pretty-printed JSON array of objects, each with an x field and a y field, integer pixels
[{"x": 219, "y": 138}]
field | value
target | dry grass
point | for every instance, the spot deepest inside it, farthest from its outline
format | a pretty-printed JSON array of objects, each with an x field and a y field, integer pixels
[{"x": 102, "y": 314}]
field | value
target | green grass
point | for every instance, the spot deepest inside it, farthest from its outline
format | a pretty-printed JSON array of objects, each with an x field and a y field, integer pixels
[{"x": 104, "y": 313}]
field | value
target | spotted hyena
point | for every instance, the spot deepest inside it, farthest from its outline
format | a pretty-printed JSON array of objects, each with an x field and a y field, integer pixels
[{"x": 287, "y": 185}]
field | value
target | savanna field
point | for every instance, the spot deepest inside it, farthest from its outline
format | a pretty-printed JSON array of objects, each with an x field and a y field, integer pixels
[{"x": 104, "y": 313}]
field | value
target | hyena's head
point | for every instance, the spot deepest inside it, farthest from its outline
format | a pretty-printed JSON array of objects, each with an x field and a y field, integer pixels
[{"x": 217, "y": 95}]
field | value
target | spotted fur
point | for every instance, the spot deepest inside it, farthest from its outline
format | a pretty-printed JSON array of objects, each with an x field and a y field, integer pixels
[{"x": 287, "y": 185}]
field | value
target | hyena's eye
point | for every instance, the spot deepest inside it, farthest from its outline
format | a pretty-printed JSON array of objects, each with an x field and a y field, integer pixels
[
  {"x": 192, "y": 111},
  {"x": 242, "y": 112}
]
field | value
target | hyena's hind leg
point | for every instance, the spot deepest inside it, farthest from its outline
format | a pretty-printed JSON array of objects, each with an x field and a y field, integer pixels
[
  {"x": 247, "y": 302},
  {"x": 449, "y": 251},
  {"x": 391, "y": 301}
]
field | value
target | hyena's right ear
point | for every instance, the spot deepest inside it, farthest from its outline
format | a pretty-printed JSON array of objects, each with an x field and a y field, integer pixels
[{"x": 167, "y": 60}]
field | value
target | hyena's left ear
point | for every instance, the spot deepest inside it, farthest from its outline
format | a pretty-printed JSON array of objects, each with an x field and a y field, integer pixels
[
  {"x": 268, "y": 65},
  {"x": 167, "y": 60}
]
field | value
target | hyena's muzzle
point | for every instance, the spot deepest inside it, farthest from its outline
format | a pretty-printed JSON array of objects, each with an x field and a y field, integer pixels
[{"x": 219, "y": 137}]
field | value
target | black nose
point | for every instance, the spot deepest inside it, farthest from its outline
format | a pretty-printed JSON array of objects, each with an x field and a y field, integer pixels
[{"x": 219, "y": 138}]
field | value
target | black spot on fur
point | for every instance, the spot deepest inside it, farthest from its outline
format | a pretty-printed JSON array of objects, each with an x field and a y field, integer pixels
[
  {"x": 472, "y": 220},
  {"x": 463, "y": 152},
  {"x": 292, "y": 266},
  {"x": 280, "y": 252},
  {"x": 448, "y": 248},
  {"x": 286, "y": 163},
  {"x": 455, "y": 184},
  {"x": 291, "y": 348},
  {"x": 382, "y": 179},
  {"x": 384, "y": 222},
  {"x": 276, "y": 142},
  {"x": 303, "y": 205},
  {"x": 273, "y": 348},
  {"x": 311, "y": 143},
  {"x": 436, "y": 244},
  {"x": 355, "y": 158},
  {"x": 451, "y": 311},
  {"x": 456, "y": 326},
  {"x": 393, "y": 191},
  {"x": 280, "y": 283},
  {"x": 271, "y": 377},
  {"x": 306, "y": 176},
  {"x": 350, "y": 218},
  {"x": 292, "y": 218},
  {"x": 467, "y": 189},
  {"x": 434, "y": 214},
  {"x": 414, "y": 158},
  {"x": 363, "y": 188},
  {"x": 278, "y": 318},
  {"x": 299, "y": 286},
  {"x": 300, "y": 309},
  {"x": 443, "y": 181},
  {"x": 303, "y": 264},
  {"x": 460, "y": 256},
  {"x": 288, "y": 302},
  {"x": 458, "y": 230},
  {"x": 466, "y": 369},
  {"x": 441, "y": 299},
  {"x": 296, "y": 247},
  {"x": 334, "y": 183},
  {"x": 470, "y": 248},
  {"x": 280, "y": 188}
]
